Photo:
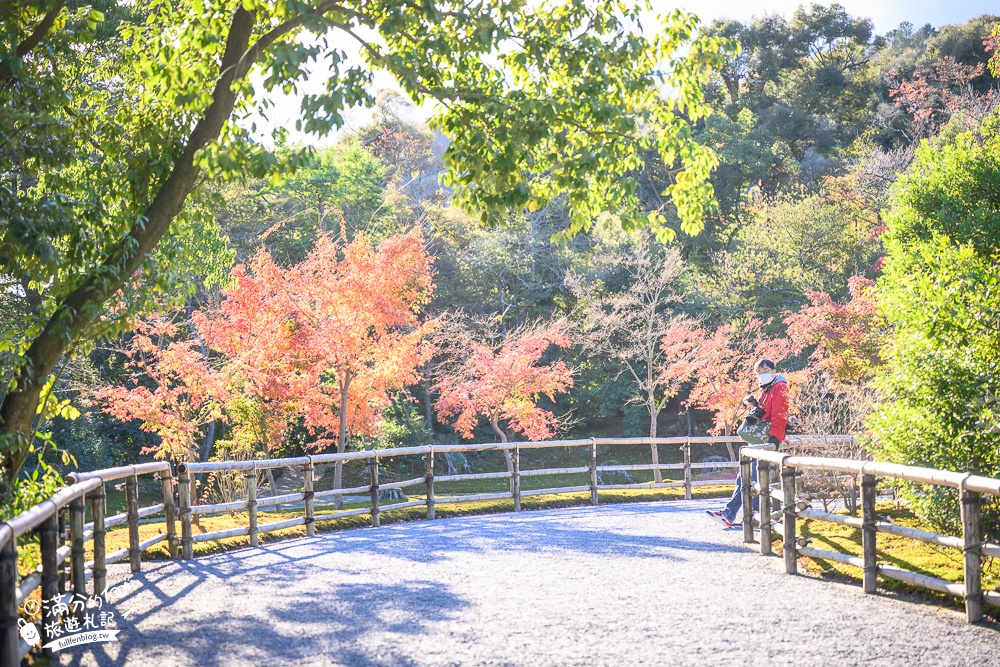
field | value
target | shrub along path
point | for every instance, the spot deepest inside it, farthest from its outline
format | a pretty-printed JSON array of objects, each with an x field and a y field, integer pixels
[{"x": 640, "y": 584}]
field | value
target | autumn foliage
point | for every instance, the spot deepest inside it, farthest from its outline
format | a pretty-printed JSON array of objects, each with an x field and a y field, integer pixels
[
  {"x": 846, "y": 339},
  {"x": 323, "y": 341},
  {"x": 725, "y": 373},
  {"x": 327, "y": 338},
  {"x": 173, "y": 391},
  {"x": 503, "y": 381}
]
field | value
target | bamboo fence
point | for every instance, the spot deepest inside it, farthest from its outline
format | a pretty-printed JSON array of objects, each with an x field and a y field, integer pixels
[
  {"x": 63, "y": 532},
  {"x": 971, "y": 489}
]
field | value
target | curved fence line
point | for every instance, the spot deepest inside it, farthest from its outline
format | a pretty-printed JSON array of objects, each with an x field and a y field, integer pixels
[
  {"x": 784, "y": 513},
  {"x": 64, "y": 573}
]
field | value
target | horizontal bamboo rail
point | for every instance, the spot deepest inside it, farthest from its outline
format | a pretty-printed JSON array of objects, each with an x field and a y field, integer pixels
[
  {"x": 341, "y": 492},
  {"x": 403, "y": 505},
  {"x": 281, "y": 500},
  {"x": 474, "y": 497},
  {"x": 971, "y": 488},
  {"x": 552, "y": 492},
  {"x": 219, "y": 507},
  {"x": 402, "y": 485},
  {"x": 221, "y": 534},
  {"x": 832, "y": 556},
  {"x": 555, "y": 471},
  {"x": 84, "y": 488},
  {"x": 471, "y": 477},
  {"x": 651, "y": 485}
]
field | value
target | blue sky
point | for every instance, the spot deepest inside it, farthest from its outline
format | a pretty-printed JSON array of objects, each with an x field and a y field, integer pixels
[{"x": 886, "y": 14}]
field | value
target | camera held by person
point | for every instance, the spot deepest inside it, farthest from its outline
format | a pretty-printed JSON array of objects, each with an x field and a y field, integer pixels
[{"x": 756, "y": 413}]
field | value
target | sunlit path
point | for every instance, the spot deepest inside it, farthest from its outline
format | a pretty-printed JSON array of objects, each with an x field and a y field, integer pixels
[{"x": 613, "y": 585}]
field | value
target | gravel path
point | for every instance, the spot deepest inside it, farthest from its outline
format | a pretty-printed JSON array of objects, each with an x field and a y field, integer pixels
[{"x": 641, "y": 584}]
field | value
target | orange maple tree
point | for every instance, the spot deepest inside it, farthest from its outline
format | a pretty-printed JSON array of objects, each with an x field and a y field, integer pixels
[
  {"x": 330, "y": 337},
  {"x": 683, "y": 353},
  {"x": 503, "y": 380},
  {"x": 323, "y": 343},
  {"x": 173, "y": 389}
]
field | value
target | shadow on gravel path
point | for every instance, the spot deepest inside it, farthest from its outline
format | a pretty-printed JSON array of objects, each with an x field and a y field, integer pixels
[{"x": 643, "y": 584}]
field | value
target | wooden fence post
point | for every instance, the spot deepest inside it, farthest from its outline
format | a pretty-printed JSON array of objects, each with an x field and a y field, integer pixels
[
  {"x": 515, "y": 480},
  {"x": 868, "y": 533},
  {"x": 63, "y": 532},
  {"x": 97, "y": 511},
  {"x": 593, "y": 471},
  {"x": 746, "y": 489},
  {"x": 687, "y": 469},
  {"x": 972, "y": 549},
  {"x": 373, "y": 474},
  {"x": 76, "y": 551},
  {"x": 48, "y": 536},
  {"x": 9, "y": 638},
  {"x": 308, "y": 470},
  {"x": 764, "y": 481},
  {"x": 184, "y": 497},
  {"x": 429, "y": 481},
  {"x": 132, "y": 499},
  {"x": 251, "y": 478},
  {"x": 788, "y": 545},
  {"x": 169, "y": 510}
]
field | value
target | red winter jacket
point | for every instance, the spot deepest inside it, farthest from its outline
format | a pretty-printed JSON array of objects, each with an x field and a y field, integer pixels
[{"x": 774, "y": 400}]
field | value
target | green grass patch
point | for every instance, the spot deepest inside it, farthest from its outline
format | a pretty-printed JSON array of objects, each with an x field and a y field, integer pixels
[{"x": 913, "y": 555}]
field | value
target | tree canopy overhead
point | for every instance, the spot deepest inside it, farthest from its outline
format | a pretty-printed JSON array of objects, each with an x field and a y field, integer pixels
[{"x": 113, "y": 117}]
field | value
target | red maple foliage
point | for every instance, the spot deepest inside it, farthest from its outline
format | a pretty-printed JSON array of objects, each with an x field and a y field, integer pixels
[
  {"x": 934, "y": 92},
  {"x": 173, "y": 391},
  {"x": 503, "y": 382},
  {"x": 326, "y": 341},
  {"x": 328, "y": 338},
  {"x": 847, "y": 337},
  {"x": 684, "y": 347}
]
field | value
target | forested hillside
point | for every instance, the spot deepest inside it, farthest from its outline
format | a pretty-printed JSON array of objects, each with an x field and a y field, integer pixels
[{"x": 341, "y": 299}]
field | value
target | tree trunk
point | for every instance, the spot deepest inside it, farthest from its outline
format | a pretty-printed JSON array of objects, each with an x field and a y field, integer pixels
[
  {"x": 428, "y": 410},
  {"x": 733, "y": 87},
  {"x": 338, "y": 471},
  {"x": 506, "y": 452},
  {"x": 503, "y": 439},
  {"x": 405, "y": 404},
  {"x": 82, "y": 306},
  {"x": 449, "y": 462},
  {"x": 206, "y": 446},
  {"x": 654, "y": 412},
  {"x": 729, "y": 445}
]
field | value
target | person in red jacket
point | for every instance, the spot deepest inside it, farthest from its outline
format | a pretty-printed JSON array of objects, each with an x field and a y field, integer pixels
[
  {"x": 772, "y": 407},
  {"x": 773, "y": 399}
]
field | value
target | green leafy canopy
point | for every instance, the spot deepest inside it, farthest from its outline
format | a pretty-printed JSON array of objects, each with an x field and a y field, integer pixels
[{"x": 115, "y": 116}]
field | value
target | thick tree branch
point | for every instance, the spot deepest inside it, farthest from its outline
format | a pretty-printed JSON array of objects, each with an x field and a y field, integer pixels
[
  {"x": 80, "y": 307},
  {"x": 32, "y": 40},
  {"x": 250, "y": 56}
]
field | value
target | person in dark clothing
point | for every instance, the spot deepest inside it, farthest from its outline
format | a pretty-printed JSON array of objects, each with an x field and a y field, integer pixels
[{"x": 770, "y": 406}]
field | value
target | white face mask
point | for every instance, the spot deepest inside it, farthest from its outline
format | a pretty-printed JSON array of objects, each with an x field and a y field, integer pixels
[{"x": 764, "y": 378}]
